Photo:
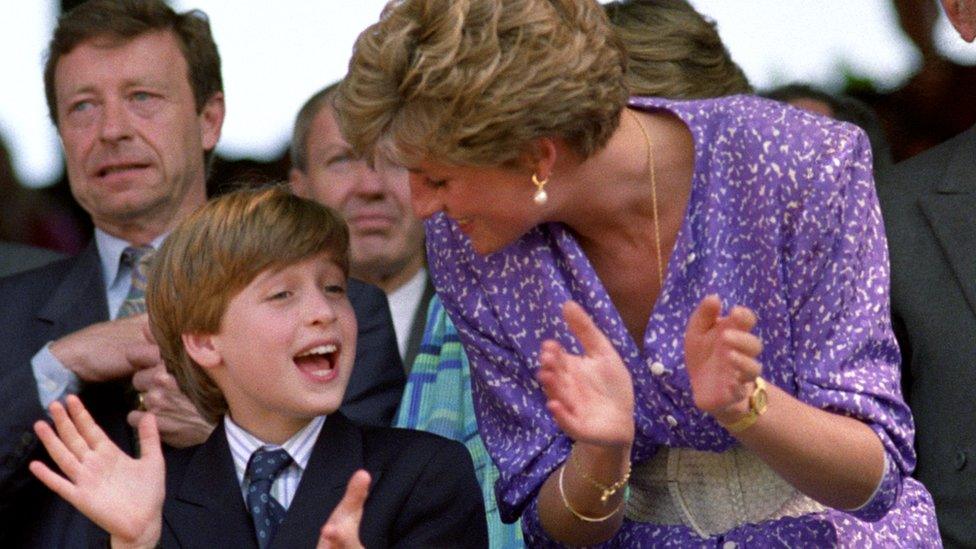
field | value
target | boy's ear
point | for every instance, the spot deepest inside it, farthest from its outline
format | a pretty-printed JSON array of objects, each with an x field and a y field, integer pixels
[{"x": 202, "y": 350}]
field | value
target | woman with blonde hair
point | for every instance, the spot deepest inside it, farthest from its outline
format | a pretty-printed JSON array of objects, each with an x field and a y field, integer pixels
[{"x": 675, "y": 312}]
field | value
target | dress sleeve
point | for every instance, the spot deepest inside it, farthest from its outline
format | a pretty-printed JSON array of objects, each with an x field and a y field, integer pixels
[
  {"x": 521, "y": 437},
  {"x": 836, "y": 269}
]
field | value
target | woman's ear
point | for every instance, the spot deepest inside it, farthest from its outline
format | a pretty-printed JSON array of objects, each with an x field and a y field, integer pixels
[
  {"x": 541, "y": 156},
  {"x": 202, "y": 350}
]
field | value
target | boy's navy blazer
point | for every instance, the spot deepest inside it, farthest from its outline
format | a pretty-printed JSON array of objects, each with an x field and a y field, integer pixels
[
  {"x": 43, "y": 304},
  {"x": 423, "y": 492}
]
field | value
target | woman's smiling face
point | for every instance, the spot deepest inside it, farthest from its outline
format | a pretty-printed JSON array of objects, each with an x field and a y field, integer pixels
[{"x": 492, "y": 206}]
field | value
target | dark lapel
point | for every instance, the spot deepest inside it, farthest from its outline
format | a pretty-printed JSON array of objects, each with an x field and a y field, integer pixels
[
  {"x": 418, "y": 325},
  {"x": 208, "y": 509},
  {"x": 79, "y": 300},
  {"x": 338, "y": 453},
  {"x": 951, "y": 211}
]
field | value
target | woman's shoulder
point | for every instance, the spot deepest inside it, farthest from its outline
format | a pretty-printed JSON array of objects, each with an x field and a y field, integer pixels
[{"x": 753, "y": 124}]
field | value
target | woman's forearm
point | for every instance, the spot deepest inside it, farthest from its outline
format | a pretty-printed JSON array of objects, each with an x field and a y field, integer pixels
[
  {"x": 834, "y": 459},
  {"x": 603, "y": 465}
]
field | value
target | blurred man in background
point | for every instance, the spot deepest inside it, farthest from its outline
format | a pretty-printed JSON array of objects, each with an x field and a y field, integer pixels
[{"x": 386, "y": 240}]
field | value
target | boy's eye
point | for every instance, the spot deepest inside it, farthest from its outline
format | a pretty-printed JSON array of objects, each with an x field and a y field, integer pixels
[
  {"x": 284, "y": 294},
  {"x": 436, "y": 183}
]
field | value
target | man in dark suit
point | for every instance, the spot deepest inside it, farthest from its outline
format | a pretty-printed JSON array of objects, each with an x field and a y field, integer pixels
[
  {"x": 135, "y": 92},
  {"x": 16, "y": 257},
  {"x": 387, "y": 240},
  {"x": 929, "y": 206}
]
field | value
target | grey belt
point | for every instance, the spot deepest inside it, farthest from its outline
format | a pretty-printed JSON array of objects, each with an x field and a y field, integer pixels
[{"x": 710, "y": 492}]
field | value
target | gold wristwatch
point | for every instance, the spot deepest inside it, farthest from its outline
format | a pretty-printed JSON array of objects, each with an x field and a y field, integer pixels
[{"x": 757, "y": 407}]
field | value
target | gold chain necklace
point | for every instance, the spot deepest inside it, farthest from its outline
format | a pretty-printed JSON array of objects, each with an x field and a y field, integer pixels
[{"x": 657, "y": 223}]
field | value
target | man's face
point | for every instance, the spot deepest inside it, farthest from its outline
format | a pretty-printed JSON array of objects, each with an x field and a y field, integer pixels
[
  {"x": 385, "y": 238},
  {"x": 132, "y": 138}
]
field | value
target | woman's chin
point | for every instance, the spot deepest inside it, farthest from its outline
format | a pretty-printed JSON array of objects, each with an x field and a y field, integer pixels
[{"x": 484, "y": 246}]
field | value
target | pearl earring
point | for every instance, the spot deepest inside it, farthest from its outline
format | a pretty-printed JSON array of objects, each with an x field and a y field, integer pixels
[{"x": 540, "y": 197}]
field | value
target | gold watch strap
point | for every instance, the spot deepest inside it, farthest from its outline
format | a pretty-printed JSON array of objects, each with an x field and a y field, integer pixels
[{"x": 757, "y": 407}]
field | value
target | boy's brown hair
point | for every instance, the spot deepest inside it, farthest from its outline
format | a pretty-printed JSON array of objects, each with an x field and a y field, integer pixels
[{"x": 214, "y": 254}]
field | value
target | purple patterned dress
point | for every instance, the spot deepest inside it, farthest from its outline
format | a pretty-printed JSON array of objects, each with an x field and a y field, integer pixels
[{"x": 782, "y": 218}]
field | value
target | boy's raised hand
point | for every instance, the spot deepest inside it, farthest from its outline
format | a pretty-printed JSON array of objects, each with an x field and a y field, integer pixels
[
  {"x": 341, "y": 531},
  {"x": 591, "y": 396},
  {"x": 121, "y": 494}
]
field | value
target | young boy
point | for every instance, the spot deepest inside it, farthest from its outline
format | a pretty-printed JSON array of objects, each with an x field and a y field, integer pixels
[{"x": 247, "y": 303}]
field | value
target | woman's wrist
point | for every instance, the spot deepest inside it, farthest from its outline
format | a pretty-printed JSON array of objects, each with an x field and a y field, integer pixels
[
  {"x": 745, "y": 413},
  {"x": 601, "y": 468}
]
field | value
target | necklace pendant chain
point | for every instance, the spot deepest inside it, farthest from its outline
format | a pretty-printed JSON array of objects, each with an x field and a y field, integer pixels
[{"x": 657, "y": 220}]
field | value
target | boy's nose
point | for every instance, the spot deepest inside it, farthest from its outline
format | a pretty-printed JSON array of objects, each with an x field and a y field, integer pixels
[{"x": 320, "y": 309}]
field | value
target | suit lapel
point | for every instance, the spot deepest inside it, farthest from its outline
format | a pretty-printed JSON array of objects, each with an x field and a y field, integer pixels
[
  {"x": 951, "y": 212},
  {"x": 79, "y": 300},
  {"x": 338, "y": 453},
  {"x": 208, "y": 509},
  {"x": 418, "y": 324}
]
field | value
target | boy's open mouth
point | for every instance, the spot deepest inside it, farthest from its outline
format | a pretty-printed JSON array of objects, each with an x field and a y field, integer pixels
[{"x": 318, "y": 362}]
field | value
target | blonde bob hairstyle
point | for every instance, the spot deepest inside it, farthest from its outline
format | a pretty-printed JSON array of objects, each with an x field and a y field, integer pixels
[
  {"x": 214, "y": 254},
  {"x": 475, "y": 82}
]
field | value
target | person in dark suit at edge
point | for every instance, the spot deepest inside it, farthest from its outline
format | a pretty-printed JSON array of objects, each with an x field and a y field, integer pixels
[
  {"x": 929, "y": 207},
  {"x": 136, "y": 94}
]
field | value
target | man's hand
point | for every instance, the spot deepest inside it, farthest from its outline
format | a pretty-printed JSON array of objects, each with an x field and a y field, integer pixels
[
  {"x": 108, "y": 350},
  {"x": 341, "y": 531},
  {"x": 122, "y": 495},
  {"x": 180, "y": 424}
]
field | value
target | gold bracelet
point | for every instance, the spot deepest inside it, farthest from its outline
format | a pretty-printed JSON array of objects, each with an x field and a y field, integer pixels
[
  {"x": 577, "y": 514},
  {"x": 607, "y": 491}
]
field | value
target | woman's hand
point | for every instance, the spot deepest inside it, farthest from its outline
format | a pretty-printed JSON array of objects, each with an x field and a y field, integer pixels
[
  {"x": 122, "y": 495},
  {"x": 341, "y": 531},
  {"x": 591, "y": 396},
  {"x": 720, "y": 355}
]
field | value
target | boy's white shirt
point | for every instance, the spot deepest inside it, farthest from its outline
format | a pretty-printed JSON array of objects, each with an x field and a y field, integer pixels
[{"x": 243, "y": 444}]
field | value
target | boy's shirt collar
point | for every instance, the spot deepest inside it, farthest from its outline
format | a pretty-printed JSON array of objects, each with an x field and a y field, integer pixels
[{"x": 243, "y": 444}]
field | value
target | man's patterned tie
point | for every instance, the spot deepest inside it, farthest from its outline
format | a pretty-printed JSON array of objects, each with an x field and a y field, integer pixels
[{"x": 138, "y": 259}]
